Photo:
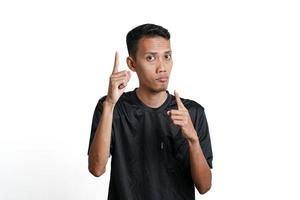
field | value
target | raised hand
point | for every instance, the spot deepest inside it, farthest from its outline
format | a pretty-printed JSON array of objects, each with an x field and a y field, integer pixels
[
  {"x": 182, "y": 119},
  {"x": 117, "y": 82}
]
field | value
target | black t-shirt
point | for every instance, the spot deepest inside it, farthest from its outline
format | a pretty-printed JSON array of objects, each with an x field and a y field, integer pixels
[{"x": 150, "y": 156}]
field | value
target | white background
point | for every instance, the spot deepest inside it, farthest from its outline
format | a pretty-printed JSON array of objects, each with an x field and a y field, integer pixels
[{"x": 239, "y": 59}]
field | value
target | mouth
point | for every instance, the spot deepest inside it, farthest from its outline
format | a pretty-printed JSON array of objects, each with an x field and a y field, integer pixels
[{"x": 162, "y": 79}]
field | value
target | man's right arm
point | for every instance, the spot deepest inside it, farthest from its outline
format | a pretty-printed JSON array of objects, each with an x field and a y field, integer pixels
[{"x": 100, "y": 146}]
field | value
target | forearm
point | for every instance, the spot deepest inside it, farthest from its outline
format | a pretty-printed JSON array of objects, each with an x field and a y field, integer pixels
[
  {"x": 100, "y": 147},
  {"x": 200, "y": 170}
]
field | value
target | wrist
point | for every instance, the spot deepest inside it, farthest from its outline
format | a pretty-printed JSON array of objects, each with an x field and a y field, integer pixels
[
  {"x": 108, "y": 104},
  {"x": 193, "y": 139}
]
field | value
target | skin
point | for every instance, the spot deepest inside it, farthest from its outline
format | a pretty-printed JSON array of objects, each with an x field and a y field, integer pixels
[{"x": 153, "y": 60}]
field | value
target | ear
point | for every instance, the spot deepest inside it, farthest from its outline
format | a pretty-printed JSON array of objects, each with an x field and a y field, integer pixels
[{"x": 131, "y": 63}]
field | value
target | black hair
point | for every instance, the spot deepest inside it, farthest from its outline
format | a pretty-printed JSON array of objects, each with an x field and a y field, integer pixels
[{"x": 144, "y": 30}]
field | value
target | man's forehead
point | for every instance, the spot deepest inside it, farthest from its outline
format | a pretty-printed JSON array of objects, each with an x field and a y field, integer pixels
[
  {"x": 154, "y": 45},
  {"x": 156, "y": 52}
]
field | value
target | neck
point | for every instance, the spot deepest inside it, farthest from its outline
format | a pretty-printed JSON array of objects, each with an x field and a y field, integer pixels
[{"x": 150, "y": 98}]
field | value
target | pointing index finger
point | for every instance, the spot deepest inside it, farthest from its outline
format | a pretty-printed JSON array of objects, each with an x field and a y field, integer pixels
[
  {"x": 178, "y": 100},
  {"x": 116, "y": 63}
]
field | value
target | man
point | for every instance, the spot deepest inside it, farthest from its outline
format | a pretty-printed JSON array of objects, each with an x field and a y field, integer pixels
[{"x": 159, "y": 143}]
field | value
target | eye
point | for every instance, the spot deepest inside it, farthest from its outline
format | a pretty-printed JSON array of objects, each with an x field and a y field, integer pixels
[
  {"x": 168, "y": 56},
  {"x": 150, "y": 58}
]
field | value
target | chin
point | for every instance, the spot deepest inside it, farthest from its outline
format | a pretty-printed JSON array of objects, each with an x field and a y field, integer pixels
[{"x": 158, "y": 89}]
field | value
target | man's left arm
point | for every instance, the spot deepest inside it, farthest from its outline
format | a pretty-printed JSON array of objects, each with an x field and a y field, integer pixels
[{"x": 200, "y": 170}]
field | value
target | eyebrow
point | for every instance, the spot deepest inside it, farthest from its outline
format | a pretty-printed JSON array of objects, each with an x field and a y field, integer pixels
[{"x": 156, "y": 52}]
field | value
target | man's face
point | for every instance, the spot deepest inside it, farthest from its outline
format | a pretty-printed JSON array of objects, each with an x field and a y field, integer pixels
[{"x": 154, "y": 63}]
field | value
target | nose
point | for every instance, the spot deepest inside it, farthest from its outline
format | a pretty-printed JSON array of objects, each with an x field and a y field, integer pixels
[{"x": 161, "y": 66}]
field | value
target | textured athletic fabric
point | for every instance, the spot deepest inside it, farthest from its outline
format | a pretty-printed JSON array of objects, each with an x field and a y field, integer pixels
[{"x": 150, "y": 156}]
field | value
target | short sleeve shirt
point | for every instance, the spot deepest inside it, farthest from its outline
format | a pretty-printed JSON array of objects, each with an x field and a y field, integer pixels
[{"x": 150, "y": 156}]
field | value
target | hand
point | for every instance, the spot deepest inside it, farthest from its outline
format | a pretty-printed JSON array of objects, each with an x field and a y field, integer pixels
[
  {"x": 182, "y": 119},
  {"x": 117, "y": 82}
]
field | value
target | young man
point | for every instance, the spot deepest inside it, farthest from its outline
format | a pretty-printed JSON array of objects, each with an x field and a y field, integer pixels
[{"x": 159, "y": 143}]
